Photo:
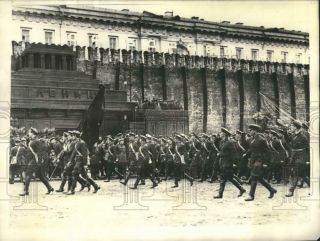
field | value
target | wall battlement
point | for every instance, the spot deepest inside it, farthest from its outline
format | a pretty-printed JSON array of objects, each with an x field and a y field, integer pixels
[{"x": 215, "y": 91}]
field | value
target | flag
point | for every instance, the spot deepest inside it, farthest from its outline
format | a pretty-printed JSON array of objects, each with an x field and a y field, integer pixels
[
  {"x": 270, "y": 106},
  {"x": 93, "y": 118}
]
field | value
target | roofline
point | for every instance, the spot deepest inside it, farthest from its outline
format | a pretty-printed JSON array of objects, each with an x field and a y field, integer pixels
[{"x": 174, "y": 22}]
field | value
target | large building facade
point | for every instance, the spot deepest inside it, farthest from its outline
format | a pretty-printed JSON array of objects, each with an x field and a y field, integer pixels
[{"x": 104, "y": 28}]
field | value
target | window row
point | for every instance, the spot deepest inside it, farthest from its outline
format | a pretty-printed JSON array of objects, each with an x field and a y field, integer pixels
[{"x": 152, "y": 45}]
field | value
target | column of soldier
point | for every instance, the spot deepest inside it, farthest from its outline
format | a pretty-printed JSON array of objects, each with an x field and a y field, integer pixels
[{"x": 257, "y": 156}]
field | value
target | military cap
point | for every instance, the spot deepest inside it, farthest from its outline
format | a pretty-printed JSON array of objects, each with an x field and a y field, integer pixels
[
  {"x": 273, "y": 132},
  {"x": 171, "y": 139},
  {"x": 23, "y": 139},
  {"x": 239, "y": 132},
  {"x": 149, "y": 136},
  {"x": 297, "y": 123},
  {"x": 66, "y": 134},
  {"x": 119, "y": 134},
  {"x": 205, "y": 135},
  {"x": 70, "y": 132},
  {"x": 34, "y": 131},
  {"x": 77, "y": 133},
  {"x": 226, "y": 131},
  {"x": 184, "y": 136},
  {"x": 178, "y": 137},
  {"x": 255, "y": 127},
  {"x": 142, "y": 137}
]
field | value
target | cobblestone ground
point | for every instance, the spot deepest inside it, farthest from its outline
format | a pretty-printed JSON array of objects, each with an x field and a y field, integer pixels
[{"x": 116, "y": 212}]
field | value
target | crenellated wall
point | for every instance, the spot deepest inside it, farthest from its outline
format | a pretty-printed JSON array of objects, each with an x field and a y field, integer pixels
[{"x": 216, "y": 92}]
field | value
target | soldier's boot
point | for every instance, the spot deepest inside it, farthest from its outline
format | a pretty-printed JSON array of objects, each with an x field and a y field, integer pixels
[
  {"x": 63, "y": 182},
  {"x": 252, "y": 190},
  {"x": 221, "y": 189},
  {"x": 291, "y": 192},
  {"x": 25, "y": 191},
  {"x": 135, "y": 186},
  {"x": 125, "y": 180},
  {"x": 154, "y": 183},
  {"x": 96, "y": 189},
  {"x": 50, "y": 190},
  {"x": 268, "y": 186},
  {"x": 143, "y": 182},
  {"x": 69, "y": 184},
  {"x": 272, "y": 192},
  {"x": 176, "y": 183}
]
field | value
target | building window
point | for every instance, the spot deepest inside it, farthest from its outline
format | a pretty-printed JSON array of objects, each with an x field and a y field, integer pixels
[
  {"x": 132, "y": 44},
  {"x": 92, "y": 40},
  {"x": 71, "y": 39},
  {"x": 284, "y": 57},
  {"x": 269, "y": 55},
  {"x": 254, "y": 54},
  {"x": 113, "y": 42},
  {"x": 239, "y": 53},
  {"x": 173, "y": 47},
  {"x": 152, "y": 45},
  {"x": 222, "y": 51},
  {"x": 25, "y": 35},
  {"x": 48, "y": 37},
  {"x": 298, "y": 58}
]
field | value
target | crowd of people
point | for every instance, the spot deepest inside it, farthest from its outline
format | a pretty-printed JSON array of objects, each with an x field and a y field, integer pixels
[{"x": 276, "y": 155}]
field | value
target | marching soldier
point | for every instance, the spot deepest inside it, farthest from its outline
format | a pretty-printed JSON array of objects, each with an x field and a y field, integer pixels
[
  {"x": 134, "y": 145},
  {"x": 242, "y": 146},
  {"x": 35, "y": 162},
  {"x": 299, "y": 146},
  {"x": 180, "y": 162},
  {"x": 208, "y": 157},
  {"x": 79, "y": 158},
  {"x": 17, "y": 159},
  {"x": 144, "y": 158},
  {"x": 257, "y": 148},
  {"x": 64, "y": 158},
  {"x": 226, "y": 154},
  {"x": 277, "y": 155}
]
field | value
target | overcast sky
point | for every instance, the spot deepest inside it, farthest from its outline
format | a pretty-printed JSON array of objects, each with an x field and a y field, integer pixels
[{"x": 292, "y": 15}]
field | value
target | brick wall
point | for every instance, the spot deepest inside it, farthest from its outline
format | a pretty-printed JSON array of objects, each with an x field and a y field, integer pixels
[{"x": 203, "y": 88}]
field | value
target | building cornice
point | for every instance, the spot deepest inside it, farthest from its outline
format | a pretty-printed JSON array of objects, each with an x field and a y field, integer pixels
[{"x": 174, "y": 23}]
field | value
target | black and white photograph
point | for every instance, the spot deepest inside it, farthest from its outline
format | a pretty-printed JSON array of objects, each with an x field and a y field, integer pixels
[{"x": 159, "y": 120}]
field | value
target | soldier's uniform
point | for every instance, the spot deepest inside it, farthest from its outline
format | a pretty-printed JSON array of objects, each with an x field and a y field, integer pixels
[
  {"x": 209, "y": 157},
  {"x": 257, "y": 149},
  {"x": 96, "y": 160},
  {"x": 121, "y": 157},
  {"x": 242, "y": 146},
  {"x": 133, "y": 154},
  {"x": 180, "y": 162},
  {"x": 277, "y": 156},
  {"x": 35, "y": 163},
  {"x": 111, "y": 159},
  {"x": 227, "y": 155},
  {"x": 144, "y": 159},
  {"x": 79, "y": 158},
  {"x": 65, "y": 158},
  {"x": 17, "y": 161},
  {"x": 299, "y": 147}
]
